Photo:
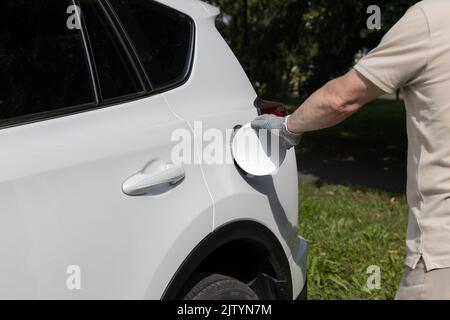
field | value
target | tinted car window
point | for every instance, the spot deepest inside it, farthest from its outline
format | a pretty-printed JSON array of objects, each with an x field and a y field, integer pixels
[
  {"x": 43, "y": 65},
  {"x": 116, "y": 74},
  {"x": 160, "y": 35}
]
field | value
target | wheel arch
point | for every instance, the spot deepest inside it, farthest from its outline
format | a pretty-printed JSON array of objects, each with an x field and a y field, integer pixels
[{"x": 238, "y": 240}]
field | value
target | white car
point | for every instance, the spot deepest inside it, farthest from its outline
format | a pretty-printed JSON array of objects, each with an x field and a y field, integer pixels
[{"x": 91, "y": 204}]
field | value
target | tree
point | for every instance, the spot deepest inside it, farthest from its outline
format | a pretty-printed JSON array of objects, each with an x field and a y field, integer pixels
[{"x": 320, "y": 38}]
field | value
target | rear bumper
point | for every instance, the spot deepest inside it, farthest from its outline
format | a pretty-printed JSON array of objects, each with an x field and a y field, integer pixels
[{"x": 298, "y": 264}]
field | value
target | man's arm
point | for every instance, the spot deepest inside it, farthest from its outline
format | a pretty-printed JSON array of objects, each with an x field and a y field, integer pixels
[
  {"x": 333, "y": 103},
  {"x": 328, "y": 106}
]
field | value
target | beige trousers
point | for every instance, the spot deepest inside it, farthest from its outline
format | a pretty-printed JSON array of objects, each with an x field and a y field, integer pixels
[{"x": 418, "y": 284}]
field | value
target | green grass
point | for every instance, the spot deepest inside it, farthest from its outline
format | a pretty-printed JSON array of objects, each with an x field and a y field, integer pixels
[
  {"x": 348, "y": 230},
  {"x": 350, "y": 227}
]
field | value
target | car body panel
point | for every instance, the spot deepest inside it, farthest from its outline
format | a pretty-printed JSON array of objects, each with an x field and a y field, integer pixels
[{"x": 219, "y": 96}]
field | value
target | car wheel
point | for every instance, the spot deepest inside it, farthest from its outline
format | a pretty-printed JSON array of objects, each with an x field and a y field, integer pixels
[{"x": 219, "y": 287}]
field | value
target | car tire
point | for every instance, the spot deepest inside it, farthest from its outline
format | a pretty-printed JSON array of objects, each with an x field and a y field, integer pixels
[{"x": 220, "y": 287}]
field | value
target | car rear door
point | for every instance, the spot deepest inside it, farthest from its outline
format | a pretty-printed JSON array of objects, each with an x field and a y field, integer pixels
[{"x": 67, "y": 228}]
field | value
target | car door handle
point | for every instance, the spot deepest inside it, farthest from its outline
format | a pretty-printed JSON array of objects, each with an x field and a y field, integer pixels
[{"x": 156, "y": 178}]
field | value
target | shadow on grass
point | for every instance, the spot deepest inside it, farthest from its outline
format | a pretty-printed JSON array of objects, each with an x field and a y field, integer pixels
[
  {"x": 378, "y": 175},
  {"x": 368, "y": 150}
]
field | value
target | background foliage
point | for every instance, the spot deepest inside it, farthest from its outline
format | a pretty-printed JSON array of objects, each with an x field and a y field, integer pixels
[{"x": 287, "y": 45}]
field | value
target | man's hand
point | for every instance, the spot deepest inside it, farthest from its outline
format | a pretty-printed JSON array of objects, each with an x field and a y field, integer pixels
[{"x": 271, "y": 122}]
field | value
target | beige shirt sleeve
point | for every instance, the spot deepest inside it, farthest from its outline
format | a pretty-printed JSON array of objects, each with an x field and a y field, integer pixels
[{"x": 401, "y": 55}]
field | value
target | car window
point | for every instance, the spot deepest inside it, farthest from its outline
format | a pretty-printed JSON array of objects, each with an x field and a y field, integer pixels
[
  {"x": 161, "y": 36},
  {"x": 43, "y": 65},
  {"x": 116, "y": 75}
]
